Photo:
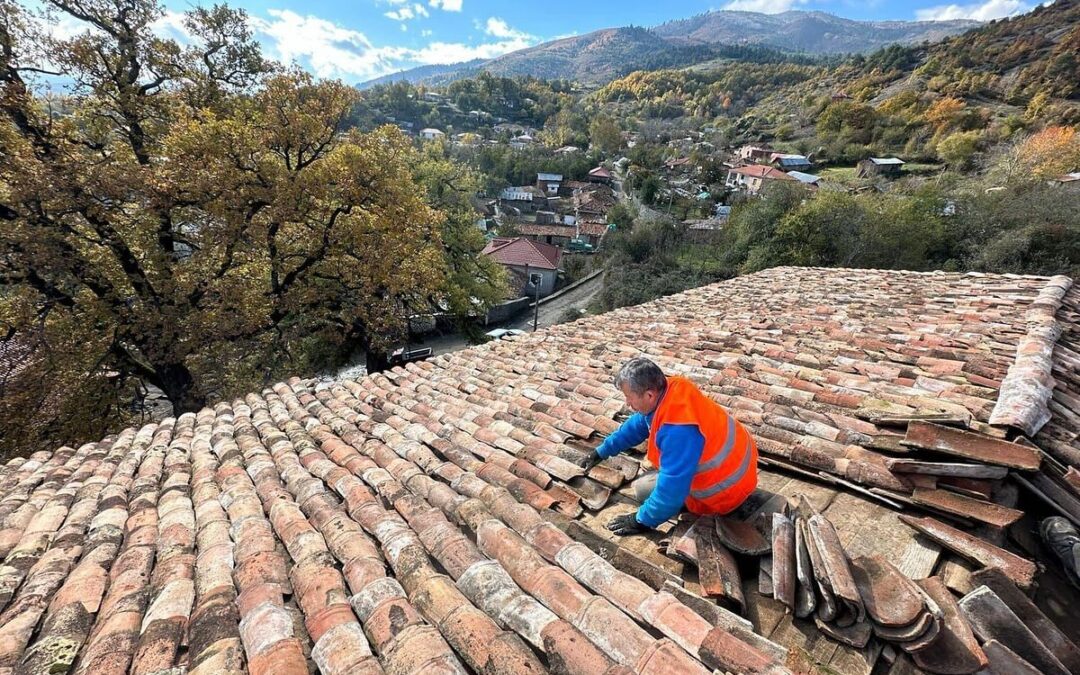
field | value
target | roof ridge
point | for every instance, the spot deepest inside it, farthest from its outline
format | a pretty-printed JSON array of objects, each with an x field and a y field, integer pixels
[
  {"x": 1024, "y": 398},
  {"x": 537, "y": 247},
  {"x": 1001, "y": 275}
]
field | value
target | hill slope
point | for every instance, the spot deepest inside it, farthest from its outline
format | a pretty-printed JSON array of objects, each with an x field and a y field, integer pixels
[
  {"x": 434, "y": 73},
  {"x": 813, "y": 32}
]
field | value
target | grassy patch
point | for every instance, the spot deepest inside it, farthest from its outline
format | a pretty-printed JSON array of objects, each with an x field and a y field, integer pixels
[
  {"x": 917, "y": 169},
  {"x": 844, "y": 175}
]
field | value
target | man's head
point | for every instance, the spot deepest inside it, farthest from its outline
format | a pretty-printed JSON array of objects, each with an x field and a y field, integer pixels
[{"x": 642, "y": 383}]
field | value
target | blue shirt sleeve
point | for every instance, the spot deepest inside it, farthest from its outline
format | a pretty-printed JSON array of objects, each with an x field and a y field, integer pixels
[
  {"x": 680, "y": 447},
  {"x": 633, "y": 431}
]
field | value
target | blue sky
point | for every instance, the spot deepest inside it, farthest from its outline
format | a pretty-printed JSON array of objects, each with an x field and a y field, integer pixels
[{"x": 362, "y": 39}]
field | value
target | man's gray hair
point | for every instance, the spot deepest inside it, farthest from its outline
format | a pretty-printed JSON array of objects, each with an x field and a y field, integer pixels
[{"x": 641, "y": 375}]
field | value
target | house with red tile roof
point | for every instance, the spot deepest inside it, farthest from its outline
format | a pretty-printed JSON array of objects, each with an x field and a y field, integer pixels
[
  {"x": 526, "y": 257},
  {"x": 600, "y": 175},
  {"x": 912, "y": 430},
  {"x": 754, "y": 178}
]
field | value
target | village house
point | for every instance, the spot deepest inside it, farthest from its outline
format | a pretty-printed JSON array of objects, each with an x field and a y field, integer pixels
[
  {"x": 431, "y": 134},
  {"x": 546, "y": 218},
  {"x": 753, "y": 179},
  {"x": 879, "y": 166},
  {"x": 524, "y": 257},
  {"x": 755, "y": 153},
  {"x": 549, "y": 183},
  {"x": 600, "y": 175},
  {"x": 805, "y": 178},
  {"x": 522, "y": 199},
  {"x": 788, "y": 162},
  {"x": 678, "y": 165},
  {"x": 508, "y": 128},
  {"x": 569, "y": 187},
  {"x": 594, "y": 201},
  {"x": 555, "y": 234},
  {"x": 521, "y": 142},
  {"x": 567, "y": 150},
  {"x": 591, "y": 230},
  {"x": 468, "y": 138}
]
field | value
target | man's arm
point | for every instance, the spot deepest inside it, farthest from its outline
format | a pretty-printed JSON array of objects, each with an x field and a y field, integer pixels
[
  {"x": 633, "y": 431},
  {"x": 680, "y": 446}
]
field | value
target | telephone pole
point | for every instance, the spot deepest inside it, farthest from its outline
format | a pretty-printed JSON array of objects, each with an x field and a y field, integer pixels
[{"x": 536, "y": 279}]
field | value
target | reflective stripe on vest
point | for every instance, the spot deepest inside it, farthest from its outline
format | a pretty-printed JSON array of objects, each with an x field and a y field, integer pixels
[
  {"x": 721, "y": 455},
  {"x": 727, "y": 482}
]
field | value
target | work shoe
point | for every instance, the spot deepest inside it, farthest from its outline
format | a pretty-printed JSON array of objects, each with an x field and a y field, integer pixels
[{"x": 1064, "y": 540}]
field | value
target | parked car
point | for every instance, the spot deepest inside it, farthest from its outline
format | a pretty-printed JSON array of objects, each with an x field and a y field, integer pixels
[
  {"x": 501, "y": 333},
  {"x": 402, "y": 355}
]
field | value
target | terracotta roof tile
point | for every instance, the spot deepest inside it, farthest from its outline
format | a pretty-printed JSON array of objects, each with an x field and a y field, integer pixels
[
  {"x": 407, "y": 522},
  {"x": 521, "y": 252}
]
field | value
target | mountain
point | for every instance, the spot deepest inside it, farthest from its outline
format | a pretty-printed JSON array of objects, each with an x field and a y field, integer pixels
[
  {"x": 597, "y": 56},
  {"x": 811, "y": 32},
  {"x": 593, "y": 58},
  {"x": 431, "y": 73},
  {"x": 603, "y": 55}
]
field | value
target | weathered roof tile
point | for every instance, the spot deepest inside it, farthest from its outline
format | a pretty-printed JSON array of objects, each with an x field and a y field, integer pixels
[{"x": 260, "y": 531}]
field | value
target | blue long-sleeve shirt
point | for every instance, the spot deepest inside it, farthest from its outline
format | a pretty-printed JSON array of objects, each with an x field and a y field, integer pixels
[{"x": 680, "y": 447}]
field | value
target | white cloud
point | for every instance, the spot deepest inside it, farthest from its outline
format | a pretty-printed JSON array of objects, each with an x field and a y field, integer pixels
[
  {"x": 496, "y": 27},
  {"x": 330, "y": 50},
  {"x": 403, "y": 14},
  {"x": 986, "y": 11},
  {"x": 407, "y": 12},
  {"x": 454, "y": 52},
  {"x": 447, "y": 5},
  {"x": 763, "y": 6},
  {"x": 171, "y": 25}
]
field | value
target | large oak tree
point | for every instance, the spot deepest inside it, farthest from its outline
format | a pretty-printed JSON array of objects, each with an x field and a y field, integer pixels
[{"x": 191, "y": 216}]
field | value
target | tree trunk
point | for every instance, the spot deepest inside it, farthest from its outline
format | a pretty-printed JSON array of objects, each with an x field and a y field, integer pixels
[
  {"x": 376, "y": 361},
  {"x": 179, "y": 386}
]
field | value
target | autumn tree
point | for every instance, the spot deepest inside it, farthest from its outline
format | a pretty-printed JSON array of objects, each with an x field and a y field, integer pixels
[
  {"x": 958, "y": 149},
  {"x": 473, "y": 282},
  {"x": 944, "y": 113},
  {"x": 191, "y": 217},
  {"x": 604, "y": 134},
  {"x": 1050, "y": 153}
]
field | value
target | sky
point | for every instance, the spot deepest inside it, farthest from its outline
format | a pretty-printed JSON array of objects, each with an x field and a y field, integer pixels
[{"x": 362, "y": 39}]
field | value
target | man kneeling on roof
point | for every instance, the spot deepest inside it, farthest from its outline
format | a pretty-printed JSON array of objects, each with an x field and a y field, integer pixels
[{"x": 705, "y": 459}]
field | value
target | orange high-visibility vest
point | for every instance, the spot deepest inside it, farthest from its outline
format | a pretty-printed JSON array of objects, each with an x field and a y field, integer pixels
[{"x": 727, "y": 471}]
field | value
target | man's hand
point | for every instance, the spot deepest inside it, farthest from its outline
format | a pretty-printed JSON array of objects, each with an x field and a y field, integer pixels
[
  {"x": 625, "y": 524},
  {"x": 592, "y": 460}
]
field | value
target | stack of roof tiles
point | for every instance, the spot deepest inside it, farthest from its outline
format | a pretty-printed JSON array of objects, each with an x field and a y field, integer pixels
[{"x": 437, "y": 518}]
